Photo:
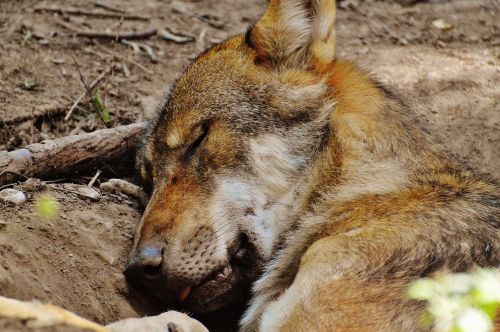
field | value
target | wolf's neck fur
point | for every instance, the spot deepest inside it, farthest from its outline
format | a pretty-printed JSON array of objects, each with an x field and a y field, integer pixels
[{"x": 375, "y": 146}]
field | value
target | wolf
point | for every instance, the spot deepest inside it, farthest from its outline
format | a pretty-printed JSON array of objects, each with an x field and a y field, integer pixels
[{"x": 273, "y": 165}]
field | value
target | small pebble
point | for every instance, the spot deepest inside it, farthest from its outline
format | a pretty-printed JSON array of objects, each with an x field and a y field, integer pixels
[
  {"x": 3, "y": 224},
  {"x": 108, "y": 258},
  {"x": 87, "y": 192},
  {"x": 12, "y": 196},
  {"x": 120, "y": 283},
  {"x": 5, "y": 279},
  {"x": 32, "y": 184}
]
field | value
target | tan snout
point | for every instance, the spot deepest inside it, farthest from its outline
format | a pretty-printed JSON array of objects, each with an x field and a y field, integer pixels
[{"x": 173, "y": 243}]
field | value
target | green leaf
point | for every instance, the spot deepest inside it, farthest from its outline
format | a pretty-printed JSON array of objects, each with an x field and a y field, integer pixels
[
  {"x": 103, "y": 111},
  {"x": 26, "y": 38},
  {"x": 28, "y": 84},
  {"x": 47, "y": 206}
]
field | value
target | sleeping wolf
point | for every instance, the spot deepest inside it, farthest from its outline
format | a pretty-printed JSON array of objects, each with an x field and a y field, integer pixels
[{"x": 274, "y": 165}]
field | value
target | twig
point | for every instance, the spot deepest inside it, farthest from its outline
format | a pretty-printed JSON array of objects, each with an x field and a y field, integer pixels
[
  {"x": 212, "y": 21},
  {"x": 94, "y": 179},
  {"x": 149, "y": 51},
  {"x": 118, "y": 36},
  {"x": 176, "y": 38},
  {"x": 137, "y": 47},
  {"x": 201, "y": 39},
  {"x": 75, "y": 11},
  {"x": 32, "y": 140},
  {"x": 107, "y": 6},
  {"x": 118, "y": 28},
  {"x": 92, "y": 85},
  {"x": 89, "y": 93},
  {"x": 66, "y": 25},
  {"x": 126, "y": 72},
  {"x": 135, "y": 63},
  {"x": 108, "y": 35}
]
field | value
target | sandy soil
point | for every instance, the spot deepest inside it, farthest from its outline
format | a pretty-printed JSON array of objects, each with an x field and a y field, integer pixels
[{"x": 451, "y": 78}]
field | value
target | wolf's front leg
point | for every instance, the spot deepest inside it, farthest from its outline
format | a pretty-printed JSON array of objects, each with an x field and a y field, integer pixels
[
  {"x": 330, "y": 293},
  {"x": 357, "y": 281}
]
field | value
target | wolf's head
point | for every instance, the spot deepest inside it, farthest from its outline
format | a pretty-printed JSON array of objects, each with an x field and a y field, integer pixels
[{"x": 236, "y": 132}]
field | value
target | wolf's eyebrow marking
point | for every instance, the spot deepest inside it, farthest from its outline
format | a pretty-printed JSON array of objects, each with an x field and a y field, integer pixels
[{"x": 174, "y": 139}]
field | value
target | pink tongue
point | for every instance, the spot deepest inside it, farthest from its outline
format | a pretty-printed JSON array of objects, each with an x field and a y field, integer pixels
[{"x": 183, "y": 294}]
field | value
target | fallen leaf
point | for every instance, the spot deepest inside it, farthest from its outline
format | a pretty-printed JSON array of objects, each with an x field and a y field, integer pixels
[{"x": 442, "y": 24}]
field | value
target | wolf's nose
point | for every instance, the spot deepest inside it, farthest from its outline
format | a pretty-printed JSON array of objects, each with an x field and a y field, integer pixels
[{"x": 147, "y": 264}]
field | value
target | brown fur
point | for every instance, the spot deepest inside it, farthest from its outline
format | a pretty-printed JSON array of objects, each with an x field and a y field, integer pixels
[{"x": 339, "y": 197}]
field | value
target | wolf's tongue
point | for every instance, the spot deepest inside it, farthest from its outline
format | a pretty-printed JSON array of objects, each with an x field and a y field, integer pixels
[{"x": 183, "y": 294}]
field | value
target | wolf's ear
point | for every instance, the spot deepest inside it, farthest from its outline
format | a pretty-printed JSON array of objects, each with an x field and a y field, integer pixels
[{"x": 295, "y": 33}]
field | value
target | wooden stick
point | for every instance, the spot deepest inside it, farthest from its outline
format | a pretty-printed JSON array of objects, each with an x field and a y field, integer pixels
[
  {"x": 175, "y": 37},
  {"x": 107, "y": 6},
  {"x": 65, "y": 24},
  {"x": 89, "y": 94},
  {"x": 138, "y": 46},
  {"x": 135, "y": 63},
  {"x": 46, "y": 315},
  {"x": 69, "y": 154},
  {"x": 108, "y": 35},
  {"x": 94, "y": 179},
  {"x": 117, "y": 36},
  {"x": 92, "y": 86},
  {"x": 75, "y": 11}
]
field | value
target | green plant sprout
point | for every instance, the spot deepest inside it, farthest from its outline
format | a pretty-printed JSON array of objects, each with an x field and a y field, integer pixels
[
  {"x": 47, "y": 206},
  {"x": 460, "y": 302},
  {"x": 101, "y": 108}
]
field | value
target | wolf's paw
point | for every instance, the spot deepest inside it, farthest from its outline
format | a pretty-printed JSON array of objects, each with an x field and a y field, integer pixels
[{"x": 171, "y": 321}]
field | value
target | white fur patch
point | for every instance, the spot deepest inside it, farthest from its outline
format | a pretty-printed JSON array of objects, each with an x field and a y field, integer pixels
[
  {"x": 231, "y": 200},
  {"x": 274, "y": 163}
]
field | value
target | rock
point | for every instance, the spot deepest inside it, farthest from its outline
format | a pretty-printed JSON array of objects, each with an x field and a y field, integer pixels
[
  {"x": 169, "y": 321},
  {"x": 107, "y": 257},
  {"x": 32, "y": 184},
  {"x": 12, "y": 196},
  {"x": 118, "y": 186},
  {"x": 87, "y": 192},
  {"x": 3, "y": 224},
  {"x": 442, "y": 24}
]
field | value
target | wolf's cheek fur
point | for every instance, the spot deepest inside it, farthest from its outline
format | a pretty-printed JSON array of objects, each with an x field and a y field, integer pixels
[
  {"x": 248, "y": 202},
  {"x": 242, "y": 209}
]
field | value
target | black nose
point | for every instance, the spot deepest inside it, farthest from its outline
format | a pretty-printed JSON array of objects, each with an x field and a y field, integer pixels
[{"x": 147, "y": 264}]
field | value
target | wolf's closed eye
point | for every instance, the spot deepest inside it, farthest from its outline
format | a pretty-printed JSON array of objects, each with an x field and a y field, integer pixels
[{"x": 193, "y": 147}]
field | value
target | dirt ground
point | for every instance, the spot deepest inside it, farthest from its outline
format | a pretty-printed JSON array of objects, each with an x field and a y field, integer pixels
[{"x": 451, "y": 77}]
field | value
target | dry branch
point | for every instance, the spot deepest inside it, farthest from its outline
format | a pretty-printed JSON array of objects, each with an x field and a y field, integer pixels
[
  {"x": 44, "y": 315},
  {"x": 108, "y": 35},
  {"x": 117, "y": 36},
  {"x": 92, "y": 86},
  {"x": 68, "y": 154},
  {"x": 135, "y": 63},
  {"x": 138, "y": 47},
  {"x": 89, "y": 94},
  {"x": 107, "y": 6},
  {"x": 175, "y": 37},
  {"x": 75, "y": 11}
]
